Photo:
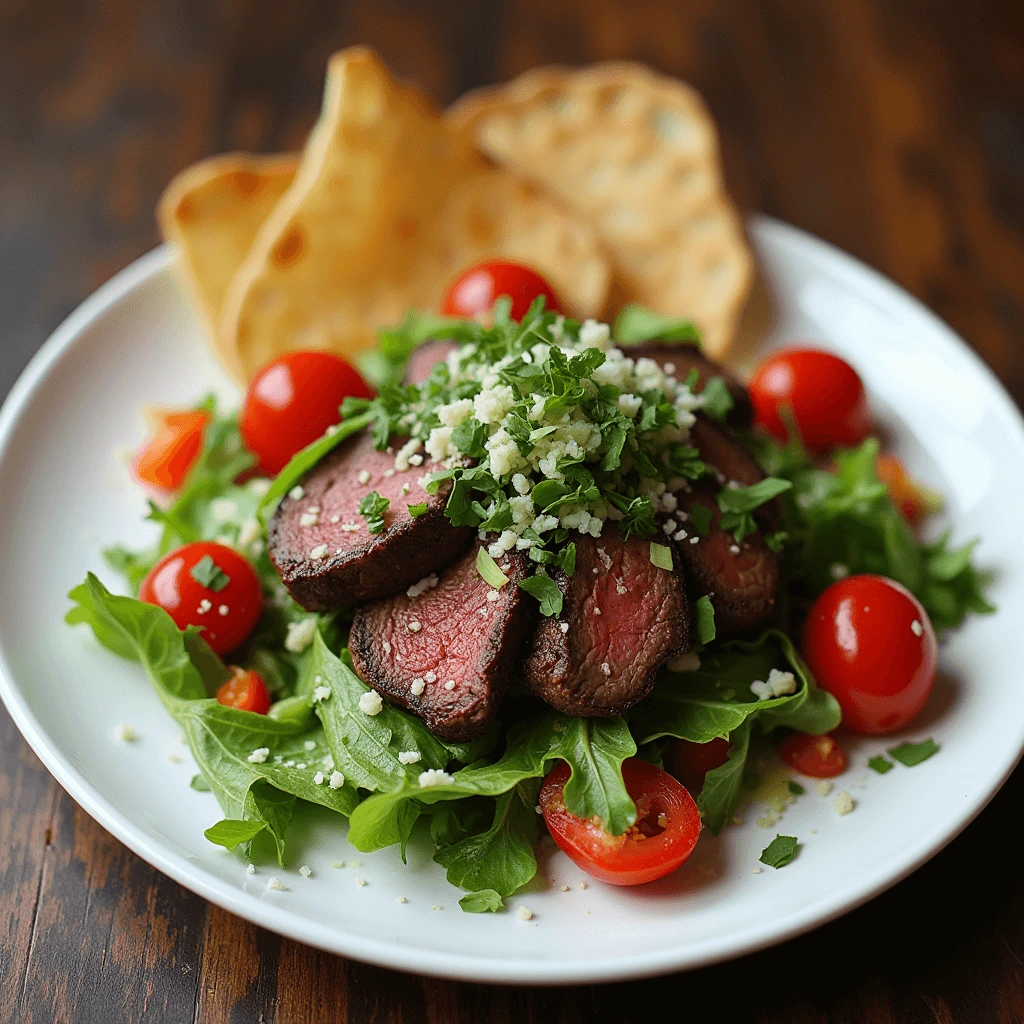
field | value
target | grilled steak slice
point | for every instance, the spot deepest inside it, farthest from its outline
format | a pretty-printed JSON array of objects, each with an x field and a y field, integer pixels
[
  {"x": 425, "y": 357},
  {"x": 322, "y": 547},
  {"x": 622, "y": 618},
  {"x": 678, "y": 358},
  {"x": 449, "y": 653},
  {"x": 742, "y": 580},
  {"x": 719, "y": 448}
]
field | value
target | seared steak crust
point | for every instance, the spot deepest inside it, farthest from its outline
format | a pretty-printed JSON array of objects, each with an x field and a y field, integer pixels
[
  {"x": 622, "y": 618},
  {"x": 742, "y": 580},
  {"x": 322, "y": 547},
  {"x": 678, "y": 358},
  {"x": 449, "y": 653}
]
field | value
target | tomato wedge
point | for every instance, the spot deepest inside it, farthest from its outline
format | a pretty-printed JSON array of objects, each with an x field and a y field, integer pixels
[
  {"x": 164, "y": 461},
  {"x": 820, "y": 757},
  {"x": 666, "y": 830},
  {"x": 245, "y": 690}
]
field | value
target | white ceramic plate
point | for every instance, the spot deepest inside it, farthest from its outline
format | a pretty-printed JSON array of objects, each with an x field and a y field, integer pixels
[{"x": 64, "y": 491}]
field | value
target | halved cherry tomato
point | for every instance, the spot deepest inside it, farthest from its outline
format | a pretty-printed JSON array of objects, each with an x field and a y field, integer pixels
[
  {"x": 820, "y": 757},
  {"x": 165, "y": 459},
  {"x": 913, "y": 500},
  {"x": 208, "y": 585},
  {"x": 664, "y": 835},
  {"x": 690, "y": 762},
  {"x": 820, "y": 391},
  {"x": 475, "y": 290},
  {"x": 245, "y": 690},
  {"x": 292, "y": 401},
  {"x": 871, "y": 644}
]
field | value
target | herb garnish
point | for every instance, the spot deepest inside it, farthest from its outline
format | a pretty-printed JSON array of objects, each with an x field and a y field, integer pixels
[
  {"x": 779, "y": 852},
  {"x": 372, "y": 508},
  {"x": 417, "y": 510},
  {"x": 705, "y": 619},
  {"x": 207, "y": 573},
  {"x": 880, "y": 764},
  {"x": 661, "y": 556},
  {"x": 545, "y": 589},
  {"x": 488, "y": 569},
  {"x": 911, "y": 754}
]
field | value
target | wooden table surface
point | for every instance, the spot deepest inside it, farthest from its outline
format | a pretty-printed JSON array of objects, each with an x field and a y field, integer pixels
[{"x": 893, "y": 128}]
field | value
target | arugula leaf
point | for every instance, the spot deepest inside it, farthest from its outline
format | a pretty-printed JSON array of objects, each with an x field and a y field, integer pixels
[
  {"x": 779, "y": 852},
  {"x": 372, "y": 508},
  {"x": 593, "y": 748},
  {"x": 635, "y": 324},
  {"x": 737, "y": 504},
  {"x": 486, "y": 900},
  {"x": 911, "y": 754},
  {"x": 502, "y": 858},
  {"x": 545, "y": 589},
  {"x": 302, "y": 462},
  {"x": 880, "y": 764},
  {"x": 231, "y": 832},
  {"x": 722, "y": 785},
  {"x": 199, "y": 784},
  {"x": 208, "y": 574},
  {"x": 705, "y": 615}
]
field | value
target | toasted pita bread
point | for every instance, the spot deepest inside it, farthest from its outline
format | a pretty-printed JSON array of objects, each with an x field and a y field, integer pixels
[
  {"x": 387, "y": 204},
  {"x": 635, "y": 155},
  {"x": 210, "y": 213}
]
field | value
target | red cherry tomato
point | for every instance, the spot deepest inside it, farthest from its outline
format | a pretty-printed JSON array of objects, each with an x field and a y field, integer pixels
[
  {"x": 871, "y": 644},
  {"x": 475, "y": 290},
  {"x": 245, "y": 691},
  {"x": 664, "y": 835},
  {"x": 913, "y": 501},
  {"x": 690, "y": 762},
  {"x": 228, "y": 614},
  {"x": 821, "y": 391},
  {"x": 292, "y": 401},
  {"x": 820, "y": 757},
  {"x": 164, "y": 461}
]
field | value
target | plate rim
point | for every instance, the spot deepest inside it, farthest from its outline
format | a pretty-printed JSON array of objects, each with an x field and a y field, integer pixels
[{"x": 460, "y": 966}]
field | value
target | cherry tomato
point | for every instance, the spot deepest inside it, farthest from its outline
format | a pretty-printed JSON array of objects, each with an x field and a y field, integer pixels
[
  {"x": 822, "y": 392},
  {"x": 871, "y": 644},
  {"x": 690, "y": 762},
  {"x": 245, "y": 691},
  {"x": 664, "y": 835},
  {"x": 164, "y": 460},
  {"x": 913, "y": 500},
  {"x": 820, "y": 757},
  {"x": 208, "y": 585},
  {"x": 475, "y": 290},
  {"x": 292, "y": 401}
]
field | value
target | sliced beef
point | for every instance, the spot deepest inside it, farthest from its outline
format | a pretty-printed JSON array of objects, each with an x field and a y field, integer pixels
[
  {"x": 448, "y": 653},
  {"x": 742, "y": 580},
  {"x": 622, "y": 618},
  {"x": 678, "y": 358},
  {"x": 425, "y": 357},
  {"x": 322, "y": 547}
]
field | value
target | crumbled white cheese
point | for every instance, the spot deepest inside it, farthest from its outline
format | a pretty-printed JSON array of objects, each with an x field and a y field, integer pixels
[
  {"x": 310, "y": 744},
  {"x": 318, "y": 779},
  {"x": 300, "y": 635},
  {"x": 450, "y": 685},
  {"x": 916, "y": 628},
  {"x": 336, "y": 781},
  {"x": 364, "y": 476},
  {"x": 435, "y": 777},
  {"x": 275, "y": 883},
  {"x": 320, "y": 551},
  {"x": 305, "y": 871},
  {"x": 321, "y": 693},
  {"x": 413, "y": 625},
  {"x": 417, "y": 687},
  {"x": 370, "y": 703},
  {"x": 409, "y": 756},
  {"x": 843, "y": 802},
  {"x": 125, "y": 733},
  {"x": 524, "y": 914},
  {"x": 297, "y": 493},
  {"x": 309, "y": 519},
  {"x": 823, "y": 786},
  {"x": 425, "y": 584},
  {"x": 250, "y": 869},
  {"x": 259, "y": 755}
]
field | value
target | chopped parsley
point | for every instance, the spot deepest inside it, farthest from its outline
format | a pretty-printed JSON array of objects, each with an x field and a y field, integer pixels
[
  {"x": 718, "y": 402},
  {"x": 779, "y": 852},
  {"x": 737, "y": 504},
  {"x": 911, "y": 754},
  {"x": 880, "y": 764},
  {"x": 545, "y": 589},
  {"x": 207, "y": 573},
  {"x": 796, "y": 789},
  {"x": 417, "y": 510},
  {"x": 372, "y": 508}
]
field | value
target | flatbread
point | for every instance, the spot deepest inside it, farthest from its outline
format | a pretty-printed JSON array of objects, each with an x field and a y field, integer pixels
[
  {"x": 387, "y": 205},
  {"x": 210, "y": 213},
  {"x": 635, "y": 155}
]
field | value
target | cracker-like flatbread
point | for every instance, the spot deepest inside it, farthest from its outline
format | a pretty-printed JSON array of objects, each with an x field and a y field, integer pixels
[
  {"x": 387, "y": 205},
  {"x": 210, "y": 213},
  {"x": 635, "y": 155}
]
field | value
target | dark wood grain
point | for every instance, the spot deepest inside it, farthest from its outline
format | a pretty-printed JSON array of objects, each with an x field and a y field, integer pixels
[{"x": 893, "y": 128}]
